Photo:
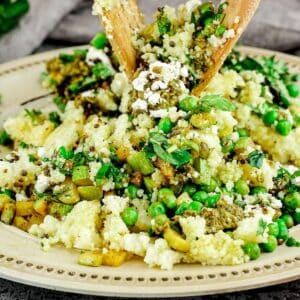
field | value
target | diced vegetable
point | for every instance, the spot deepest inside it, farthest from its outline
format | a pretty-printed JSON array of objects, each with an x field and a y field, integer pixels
[
  {"x": 59, "y": 209},
  {"x": 90, "y": 192},
  {"x": 176, "y": 241},
  {"x": 8, "y": 213},
  {"x": 69, "y": 194},
  {"x": 90, "y": 258},
  {"x": 41, "y": 206},
  {"x": 21, "y": 223},
  {"x": 81, "y": 176},
  {"x": 24, "y": 208},
  {"x": 114, "y": 258},
  {"x": 139, "y": 162}
]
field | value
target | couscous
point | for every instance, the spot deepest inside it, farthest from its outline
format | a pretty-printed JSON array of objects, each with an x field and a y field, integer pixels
[{"x": 145, "y": 169}]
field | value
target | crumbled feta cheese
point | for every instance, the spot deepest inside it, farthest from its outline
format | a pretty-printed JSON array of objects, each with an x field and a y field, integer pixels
[
  {"x": 140, "y": 105},
  {"x": 137, "y": 243},
  {"x": 192, "y": 227}
]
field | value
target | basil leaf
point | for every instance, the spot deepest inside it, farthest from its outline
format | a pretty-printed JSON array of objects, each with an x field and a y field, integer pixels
[
  {"x": 262, "y": 224},
  {"x": 217, "y": 102},
  {"x": 255, "y": 159},
  {"x": 178, "y": 158},
  {"x": 157, "y": 138},
  {"x": 182, "y": 157}
]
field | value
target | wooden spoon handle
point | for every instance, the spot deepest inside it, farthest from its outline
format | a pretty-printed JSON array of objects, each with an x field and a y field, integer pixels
[
  {"x": 238, "y": 14},
  {"x": 120, "y": 23}
]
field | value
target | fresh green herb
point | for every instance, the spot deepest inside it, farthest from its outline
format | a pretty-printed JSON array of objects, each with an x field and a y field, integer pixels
[
  {"x": 64, "y": 153},
  {"x": 178, "y": 158},
  {"x": 255, "y": 159},
  {"x": 163, "y": 23},
  {"x": 8, "y": 192},
  {"x": 81, "y": 53},
  {"x": 55, "y": 118},
  {"x": 66, "y": 58},
  {"x": 60, "y": 103},
  {"x": 34, "y": 115},
  {"x": 101, "y": 71},
  {"x": 32, "y": 158},
  {"x": 262, "y": 225},
  {"x": 5, "y": 138},
  {"x": 23, "y": 145}
]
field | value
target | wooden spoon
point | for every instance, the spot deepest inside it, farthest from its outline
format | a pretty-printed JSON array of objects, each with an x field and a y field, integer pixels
[
  {"x": 236, "y": 10},
  {"x": 121, "y": 22}
]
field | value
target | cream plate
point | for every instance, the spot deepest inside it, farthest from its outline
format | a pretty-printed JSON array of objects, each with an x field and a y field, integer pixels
[{"x": 22, "y": 260}]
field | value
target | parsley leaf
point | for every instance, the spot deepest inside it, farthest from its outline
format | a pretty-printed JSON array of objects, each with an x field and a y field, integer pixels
[
  {"x": 55, "y": 118},
  {"x": 5, "y": 138},
  {"x": 255, "y": 159},
  {"x": 262, "y": 224},
  {"x": 60, "y": 103},
  {"x": 163, "y": 23}
]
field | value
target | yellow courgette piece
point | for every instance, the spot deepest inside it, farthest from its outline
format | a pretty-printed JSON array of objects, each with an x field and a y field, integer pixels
[
  {"x": 24, "y": 208},
  {"x": 70, "y": 194},
  {"x": 21, "y": 223},
  {"x": 4, "y": 199},
  {"x": 81, "y": 176},
  {"x": 41, "y": 206},
  {"x": 114, "y": 258},
  {"x": 8, "y": 213},
  {"x": 176, "y": 241},
  {"x": 90, "y": 258},
  {"x": 90, "y": 192}
]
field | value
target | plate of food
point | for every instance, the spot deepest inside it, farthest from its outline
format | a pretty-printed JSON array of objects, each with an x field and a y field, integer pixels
[{"x": 141, "y": 183}]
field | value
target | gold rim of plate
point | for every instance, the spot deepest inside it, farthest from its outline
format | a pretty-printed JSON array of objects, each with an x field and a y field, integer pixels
[{"x": 22, "y": 260}]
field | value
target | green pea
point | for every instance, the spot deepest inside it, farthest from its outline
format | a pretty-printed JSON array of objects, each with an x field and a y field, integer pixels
[
  {"x": 212, "y": 200},
  {"x": 130, "y": 216},
  {"x": 220, "y": 30},
  {"x": 288, "y": 219},
  {"x": 242, "y": 132},
  {"x": 252, "y": 250},
  {"x": 292, "y": 242},
  {"x": 210, "y": 186},
  {"x": 297, "y": 217},
  {"x": 200, "y": 196},
  {"x": 293, "y": 90},
  {"x": 270, "y": 245},
  {"x": 131, "y": 191},
  {"x": 156, "y": 208},
  {"x": 188, "y": 104},
  {"x": 292, "y": 201},
  {"x": 270, "y": 117},
  {"x": 283, "y": 232},
  {"x": 182, "y": 208},
  {"x": 191, "y": 189},
  {"x": 273, "y": 229},
  {"x": 241, "y": 187},
  {"x": 258, "y": 190},
  {"x": 167, "y": 196},
  {"x": 99, "y": 41},
  {"x": 195, "y": 206},
  {"x": 284, "y": 127},
  {"x": 165, "y": 125}
]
